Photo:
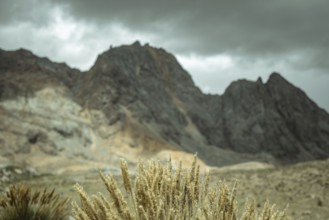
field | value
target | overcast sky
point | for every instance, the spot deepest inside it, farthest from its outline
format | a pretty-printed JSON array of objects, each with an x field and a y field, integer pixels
[{"x": 215, "y": 41}]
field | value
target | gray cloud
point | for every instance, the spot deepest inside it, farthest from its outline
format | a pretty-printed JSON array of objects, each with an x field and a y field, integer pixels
[
  {"x": 13, "y": 12},
  {"x": 253, "y": 28},
  {"x": 250, "y": 28}
]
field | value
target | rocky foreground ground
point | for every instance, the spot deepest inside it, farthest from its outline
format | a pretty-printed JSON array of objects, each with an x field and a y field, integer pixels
[{"x": 303, "y": 187}]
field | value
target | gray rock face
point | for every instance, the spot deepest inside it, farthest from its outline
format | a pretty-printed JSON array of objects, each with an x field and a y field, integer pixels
[
  {"x": 38, "y": 115},
  {"x": 273, "y": 118},
  {"x": 22, "y": 73},
  {"x": 139, "y": 99},
  {"x": 143, "y": 80}
]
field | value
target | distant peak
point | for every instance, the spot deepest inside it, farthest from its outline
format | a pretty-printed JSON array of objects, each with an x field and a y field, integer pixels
[
  {"x": 276, "y": 77},
  {"x": 21, "y": 52},
  {"x": 259, "y": 80},
  {"x": 24, "y": 51},
  {"x": 137, "y": 44}
]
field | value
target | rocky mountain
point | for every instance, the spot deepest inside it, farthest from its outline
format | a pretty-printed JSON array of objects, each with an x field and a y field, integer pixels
[
  {"x": 273, "y": 117},
  {"x": 137, "y": 101}
]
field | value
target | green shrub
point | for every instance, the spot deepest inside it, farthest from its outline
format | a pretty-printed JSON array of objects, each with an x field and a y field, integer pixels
[
  {"x": 159, "y": 192},
  {"x": 20, "y": 203}
]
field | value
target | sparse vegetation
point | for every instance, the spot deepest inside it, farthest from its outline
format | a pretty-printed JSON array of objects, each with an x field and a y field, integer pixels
[
  {"x": 303, "y": 186},
  {"x": 20, "y": 203},
  {"x": 161, "y": 192}
]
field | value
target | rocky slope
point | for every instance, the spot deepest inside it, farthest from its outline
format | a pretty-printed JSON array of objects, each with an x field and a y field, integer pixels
[
  {"x": 137, "y": 101},
  {"x": 273, "y": 117}
]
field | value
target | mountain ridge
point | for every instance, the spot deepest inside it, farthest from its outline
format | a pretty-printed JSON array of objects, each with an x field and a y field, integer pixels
[{"x": 138, "y": 100}]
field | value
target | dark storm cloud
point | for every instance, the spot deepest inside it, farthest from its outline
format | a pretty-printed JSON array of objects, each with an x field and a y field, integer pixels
[
  {"x": 253, "y": 28},
  {"x": 14, "y": 12}
]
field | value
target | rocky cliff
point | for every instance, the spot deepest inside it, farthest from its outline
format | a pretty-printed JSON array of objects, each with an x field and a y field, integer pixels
[
  {"x": 274, "y": 118},
  {"x": 137, "y": 101}
]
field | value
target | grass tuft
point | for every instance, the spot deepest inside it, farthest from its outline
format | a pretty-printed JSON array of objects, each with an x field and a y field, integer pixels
[
  {"x": 20, "y": 202},
  {"x": 160, "y": 192}
]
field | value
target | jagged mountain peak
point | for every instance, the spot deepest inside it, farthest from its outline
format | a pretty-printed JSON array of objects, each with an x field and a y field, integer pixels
[
  {"x": 245, "y": 85},
  {"x": 288, "y": 95},
  {"x": 23, "y": 72},
  {"x": 276, "y": 75},
  {"x": 145, "y": 65},
  {"x": 259, "y": 80},
  {"x": 276, "y": 79},
  {"x": 136, "y": 55},
  {"x": 22, "y": 57},
  {"x": 24, "y": 52},
  {"x": 136, "y": 44}
]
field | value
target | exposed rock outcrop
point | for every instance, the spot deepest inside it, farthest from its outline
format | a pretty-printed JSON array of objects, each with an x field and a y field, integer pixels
[{"x": 275, "y": 118}]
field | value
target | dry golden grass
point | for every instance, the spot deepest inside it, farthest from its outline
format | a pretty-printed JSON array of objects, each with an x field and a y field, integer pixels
[
  {"x": 20, "y": 203},
  {"x": 160, "y": 192}
]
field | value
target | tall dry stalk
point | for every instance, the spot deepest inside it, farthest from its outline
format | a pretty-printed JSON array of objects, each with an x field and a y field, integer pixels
[{"x": 161, "y": 193}]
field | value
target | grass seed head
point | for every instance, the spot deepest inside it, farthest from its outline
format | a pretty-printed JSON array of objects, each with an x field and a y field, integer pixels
[{"x": 161, "y": 192}]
